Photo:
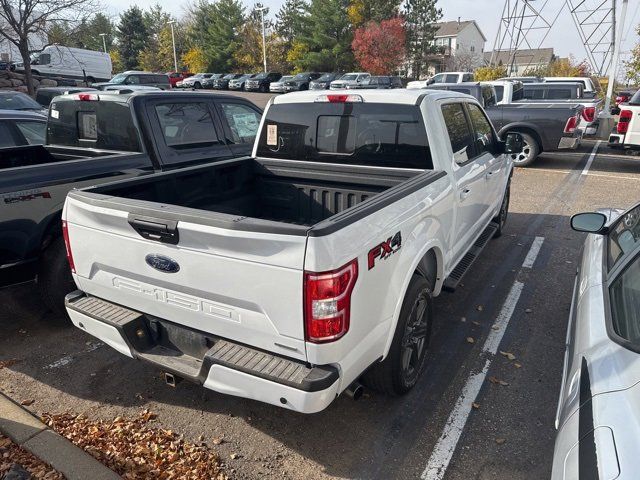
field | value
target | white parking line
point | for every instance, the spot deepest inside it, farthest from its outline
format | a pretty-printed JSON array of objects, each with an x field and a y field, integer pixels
[
  {"x": 591, "y": 157},
  {"x": 448, "y": 441},
  {"x": 67, "y": 359},
  {"x": 533, "y": 253}
]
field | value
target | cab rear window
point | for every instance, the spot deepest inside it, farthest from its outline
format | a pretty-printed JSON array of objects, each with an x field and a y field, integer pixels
[
  {"x": 98, "y": 124},
  {"x": 348, "y": 133}
]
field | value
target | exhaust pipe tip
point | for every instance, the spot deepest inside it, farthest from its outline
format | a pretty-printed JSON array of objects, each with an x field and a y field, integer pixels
[{"x": 355, "y": 391}]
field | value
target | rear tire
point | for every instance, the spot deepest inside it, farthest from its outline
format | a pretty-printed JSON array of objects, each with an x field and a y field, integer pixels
[
  {"x": 54, "y": 277},
  {"x": 197, "y": 85},
  {"x": 399, "y": 372},
  {"x": 529, "y": 153},
  {"x": 501, "y": 219}
]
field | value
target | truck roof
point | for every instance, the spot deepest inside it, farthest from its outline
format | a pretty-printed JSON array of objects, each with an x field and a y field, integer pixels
[
  {"x": 398, "y": 96},
  {"x": 124, "y": 95}
]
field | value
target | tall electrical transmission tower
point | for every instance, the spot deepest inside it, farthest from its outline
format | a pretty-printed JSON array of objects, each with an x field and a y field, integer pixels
[
  {"x": 523, "y": 26},
  {"x": 596, "y": 24}
]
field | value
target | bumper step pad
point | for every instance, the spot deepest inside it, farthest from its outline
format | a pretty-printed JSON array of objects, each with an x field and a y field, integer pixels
[{"x": 136, "y": 330}]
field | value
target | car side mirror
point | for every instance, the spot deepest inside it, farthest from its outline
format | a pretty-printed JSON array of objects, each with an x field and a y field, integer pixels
[
  {"x": 431, "y": 81},
  {"x": 591, "y": 222},
  {"x": 514, "y": 143}
]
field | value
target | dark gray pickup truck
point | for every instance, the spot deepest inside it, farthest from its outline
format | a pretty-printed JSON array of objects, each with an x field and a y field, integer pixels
[
  {"x": 544, "y": 126},
  {"x": 99, "y": 137}
]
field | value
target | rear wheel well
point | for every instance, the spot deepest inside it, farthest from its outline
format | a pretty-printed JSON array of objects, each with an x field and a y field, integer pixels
[
  {"x": 528, "y": 131},
  {"x": 53, "y": 231},
  {"x": 428, "y": 268}
]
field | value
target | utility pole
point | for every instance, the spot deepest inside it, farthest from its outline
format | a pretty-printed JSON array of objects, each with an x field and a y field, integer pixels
[
  {"x": 173, "y": 41},
  {"x": 104, "y": 42},
  {"x": 264, "y": 38},
  {"x": 606, "y": 120}
]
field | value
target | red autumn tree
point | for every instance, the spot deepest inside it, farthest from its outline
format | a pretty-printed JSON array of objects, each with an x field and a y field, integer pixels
[{"x": 379, "y": 48}]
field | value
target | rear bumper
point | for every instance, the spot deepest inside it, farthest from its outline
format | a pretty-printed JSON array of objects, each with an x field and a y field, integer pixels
[{"x": 216, "y": 363}]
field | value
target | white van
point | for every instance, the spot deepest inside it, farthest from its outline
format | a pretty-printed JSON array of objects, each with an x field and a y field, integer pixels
[{"x": 75, "y": 63}]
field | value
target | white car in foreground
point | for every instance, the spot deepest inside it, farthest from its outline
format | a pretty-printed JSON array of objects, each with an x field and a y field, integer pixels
[
  {"x": 598, "y": 416},
  {"x": 285, "y": 276}
]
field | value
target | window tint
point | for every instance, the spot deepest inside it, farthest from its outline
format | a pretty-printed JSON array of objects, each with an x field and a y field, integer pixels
[
  {"x": 468, "y": 77},
  {"x": 34, "y": 132},
  {"x": 500, "y": 92},
  {"x": 160, "y": 79},
  {"x": 624, "y": 236},
  {"x": 114, "y": 126},
  {"x": 6, "y": 137},
  {"x": 518, "y": 94},
  {"x": 458, "y": 129},
  {"x": 354, "y": 134},
  {"x": 186, "y": 124},
  {"x": 44, "y": 59},
  {"x": 451, "y": 79},
  {"x": 488, "y": 96},
  {"x": 243, "y": 121},
  {"x": 483, "y": 132},
  {"x": 625, "y": 303},
  {"x": 439, "y": 79},
  {"x": 533, "y": 93},
  {"x": 559, "y": 93}
]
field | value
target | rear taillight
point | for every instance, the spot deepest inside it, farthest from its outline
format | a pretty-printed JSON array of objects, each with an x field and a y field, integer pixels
[
  {"x": 342, "y": 98},
  {"x": 88, "y": 97},
  {"x": 327, "y": 302},
  {"x": 67, "y": 244},
  {"x": 623, "y": 121},
  {"x": 589, "y": 114},
  {"x": 572, "y": 124}
]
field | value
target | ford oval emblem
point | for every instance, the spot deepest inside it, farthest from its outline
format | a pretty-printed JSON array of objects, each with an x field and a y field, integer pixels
[{"x": 162, "y": 263}]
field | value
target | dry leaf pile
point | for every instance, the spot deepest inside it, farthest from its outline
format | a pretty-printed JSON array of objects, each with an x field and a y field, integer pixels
[
  {"x": 133, "y": 449},
  {"x": 11, "y": 453}
]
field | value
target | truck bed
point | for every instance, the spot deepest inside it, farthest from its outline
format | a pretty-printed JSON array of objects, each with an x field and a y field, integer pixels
[{"x": 282, "y": 191}]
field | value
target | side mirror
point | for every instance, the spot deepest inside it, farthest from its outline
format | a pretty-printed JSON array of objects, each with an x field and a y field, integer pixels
[
  {"x": 591, "y": 222},
  {"x": 431, "y": 81},
  {"x": 514, "y": 143}
]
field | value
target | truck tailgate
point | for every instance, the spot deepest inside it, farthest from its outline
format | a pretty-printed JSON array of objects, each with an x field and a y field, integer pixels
[{"x": 224, "y": 282}]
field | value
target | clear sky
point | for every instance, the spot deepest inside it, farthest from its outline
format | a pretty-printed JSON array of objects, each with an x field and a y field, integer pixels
[{"x": 563, "y": 37}]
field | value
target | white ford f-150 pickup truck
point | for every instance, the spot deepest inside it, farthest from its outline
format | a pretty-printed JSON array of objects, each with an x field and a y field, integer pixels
[{"x": 286, "y": 276}]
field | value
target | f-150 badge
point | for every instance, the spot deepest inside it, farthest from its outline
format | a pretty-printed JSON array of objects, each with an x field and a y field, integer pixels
[{"x": 385, "y": 249}]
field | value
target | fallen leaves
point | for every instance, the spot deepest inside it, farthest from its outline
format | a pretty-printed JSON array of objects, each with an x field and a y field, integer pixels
[
  {"x": 11, "y": 454},
  {"x": 480, "y": 308},
  {"x": 475, "y": 405},
  {"x": 500, "y": 441},
  {"x": 497, "y": 381},
  {"x": 509, "y": 355},
  {"x": 470, "y": 340},
  {"x": 27, "y": 403},
  {"x": 137, "y": 451},
  {"x": 7, "y": 363}
]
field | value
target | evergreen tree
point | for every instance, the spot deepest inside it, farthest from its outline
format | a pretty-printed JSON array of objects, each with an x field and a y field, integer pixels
[
  {"x": 221, "y": 40},
  {"x": 291, "y": 20},
  {"x": 420, "y": 16},
  {"x": 328, "y": 38},
  {"x": 100, "y": 23},
  {"x": 361, "y": 12},
  {"x": 132, "y": 36},
  {"x": 156, "y": 22}
]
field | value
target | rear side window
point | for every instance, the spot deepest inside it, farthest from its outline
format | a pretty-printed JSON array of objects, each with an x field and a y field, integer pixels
[
  {"x": 451, "y": 79},
  {"x": 518, "y": 94},
  {"x": 467, "y": 77},
  {"x": 186, "y": 124},
  {"x": 33, "y": 132},
  {"x": 100, "y": 124},
  {"x": 6, "y": 137},
  {"x": 458, "y": 129},
  {"x": 160, "y": 79},
  {"x": 243, "y": 122},
  {"x": 533, "y": 93},
  {"x": 500, "y": 93},
  {"x": 347, "y": 133},
  {"x": 625, "y": 303}
]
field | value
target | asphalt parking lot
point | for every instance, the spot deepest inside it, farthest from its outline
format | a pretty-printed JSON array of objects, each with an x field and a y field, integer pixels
[{"x": 472, "y": 415}]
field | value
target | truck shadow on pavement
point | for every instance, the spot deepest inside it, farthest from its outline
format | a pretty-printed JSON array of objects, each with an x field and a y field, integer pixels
[{"x": 63, "y": 369}]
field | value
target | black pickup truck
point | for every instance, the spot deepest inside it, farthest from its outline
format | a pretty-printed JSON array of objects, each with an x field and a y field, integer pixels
[
  {"x": 99, "y": 137},
  {"x": 544, "y": 126}
]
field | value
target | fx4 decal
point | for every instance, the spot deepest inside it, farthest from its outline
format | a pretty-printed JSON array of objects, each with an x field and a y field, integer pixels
[{"x": 385, "y": 249}]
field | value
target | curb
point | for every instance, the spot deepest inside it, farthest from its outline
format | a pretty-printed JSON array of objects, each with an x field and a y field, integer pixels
[{"x": 27, "y": 431}]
